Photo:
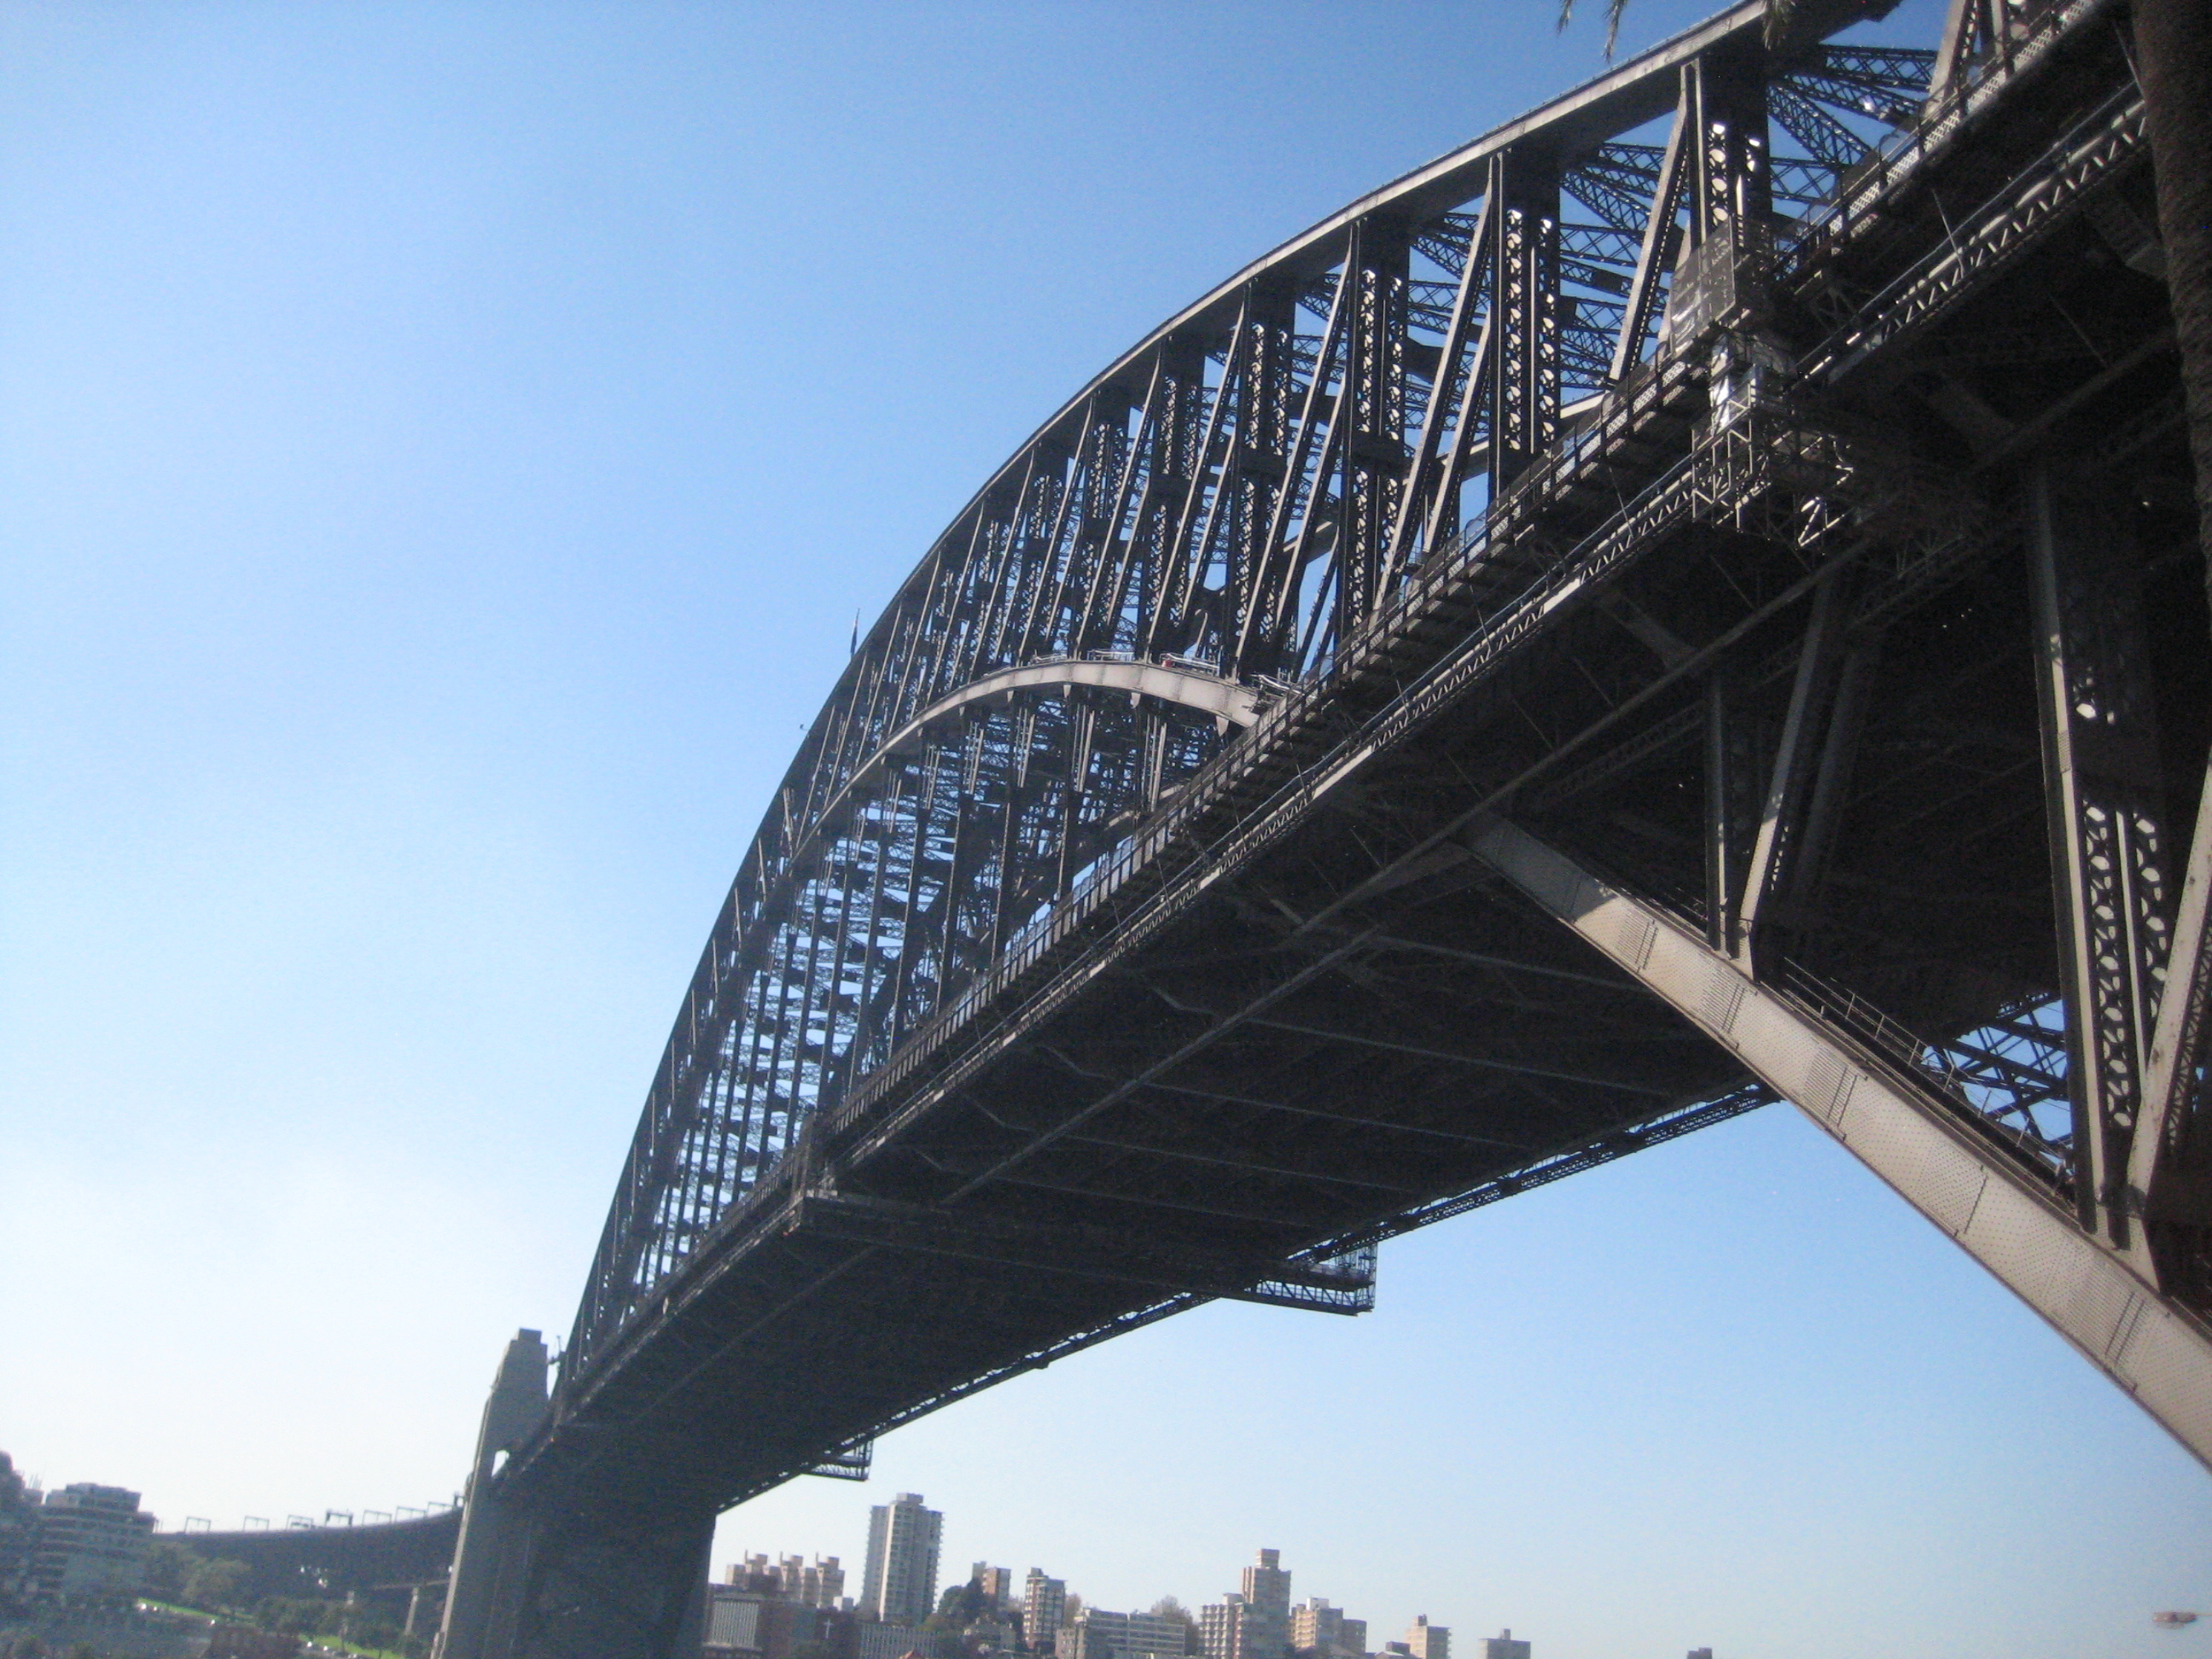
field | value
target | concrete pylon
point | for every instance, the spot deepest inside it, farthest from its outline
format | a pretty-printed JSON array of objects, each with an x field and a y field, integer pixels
[{"x": 481, "y": 1558}]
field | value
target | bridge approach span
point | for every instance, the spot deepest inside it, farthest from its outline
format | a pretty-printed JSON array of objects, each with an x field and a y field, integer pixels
[
  {"x": 322, "y": 1561},
  {"x": 1692, "y": 599}
]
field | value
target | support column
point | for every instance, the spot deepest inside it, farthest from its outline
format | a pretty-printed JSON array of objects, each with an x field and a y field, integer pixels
[
  {"x": 1963, "y": 1182},
  {"x": 1524, "y": 411},
  {"x": 564, "y": 1567},
  {"x": 608, "y": 1581},
  {"x": 1373, "y": 413},
  {"x": 483, "y": 1553},
  {"x": 2170, "y": 1161},
  {"x": 1731, "y": 810},
  {"x": 2103, "y": 794},
  {"x": 1782, "y": 819},
  {"x": 1721, "y": 279}
]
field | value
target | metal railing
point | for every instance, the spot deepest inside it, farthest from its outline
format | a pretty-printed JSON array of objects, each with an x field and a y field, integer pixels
[{"x": 1932, "y": 1063}]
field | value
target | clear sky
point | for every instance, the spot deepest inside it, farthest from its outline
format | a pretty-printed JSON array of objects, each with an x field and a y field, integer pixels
[{"x": 442, "y": 450}]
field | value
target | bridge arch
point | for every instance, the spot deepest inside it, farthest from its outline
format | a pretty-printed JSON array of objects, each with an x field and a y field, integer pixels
[{"x": 1247, "y": 489}]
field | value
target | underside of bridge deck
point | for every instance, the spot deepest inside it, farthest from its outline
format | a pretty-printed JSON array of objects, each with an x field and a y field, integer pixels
[{"x": 1813, "y": 706}]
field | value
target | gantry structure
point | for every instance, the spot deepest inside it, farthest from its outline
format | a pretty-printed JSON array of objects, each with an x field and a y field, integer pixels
[{"x": 1691, "y": 601}]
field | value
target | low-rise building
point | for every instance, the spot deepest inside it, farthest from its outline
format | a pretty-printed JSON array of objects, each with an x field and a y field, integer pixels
[
  {"x": 818, "y": 1584},
  {"x": 1106, "y": 1635},
  {"x": 1150, "y": 1634},
  {"x": 1225, "y": 1629},
  {"x": 1323, "y": 1631},
  {"x": 1426, "y": 1641},
  {"x": 751, "y": 1617},
  {"x": 876, "y": 1641}
]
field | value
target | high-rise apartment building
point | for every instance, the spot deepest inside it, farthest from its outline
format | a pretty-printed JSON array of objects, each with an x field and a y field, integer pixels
[
  {"x": 1268, "y": 1595},
  {"x": 1426, "y": 1641},
  {"x": 1044, "y": 1602},
  {"x": 1503, "y": 1647},
  {"x": 89, "y": 1540},
  {"x": 998, "y": 1583},
  {"x": 900, "y": 1585}
]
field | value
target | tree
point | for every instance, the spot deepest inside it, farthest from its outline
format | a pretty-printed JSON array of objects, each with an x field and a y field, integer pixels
[
  {"x": 960, "y": 1605},
  {"x": 1168, "y": 1607},
  {"x": 169, "y": 1568},
  {"x": 217, "y": 1584}
]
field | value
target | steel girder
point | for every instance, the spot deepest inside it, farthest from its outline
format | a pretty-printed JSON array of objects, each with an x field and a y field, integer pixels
[{"x": 1911, "y": 1135}]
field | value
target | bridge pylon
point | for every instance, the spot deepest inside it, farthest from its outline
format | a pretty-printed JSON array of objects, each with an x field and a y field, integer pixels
[{"x": 573, "y": 1570}]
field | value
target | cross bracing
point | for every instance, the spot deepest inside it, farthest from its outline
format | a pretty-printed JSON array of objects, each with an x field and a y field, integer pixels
[{"x": 1683, "y": 603}]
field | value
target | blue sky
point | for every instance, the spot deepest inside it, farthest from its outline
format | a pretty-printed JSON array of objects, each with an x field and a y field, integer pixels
[{"x": 441, "y": 452}]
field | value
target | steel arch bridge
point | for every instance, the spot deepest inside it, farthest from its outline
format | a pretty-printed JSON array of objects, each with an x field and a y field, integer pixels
[{"x": 1689, "y": 600}]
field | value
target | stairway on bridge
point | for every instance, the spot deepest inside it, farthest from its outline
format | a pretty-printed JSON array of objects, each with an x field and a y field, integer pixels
[{"x": 1691, "y": 601}]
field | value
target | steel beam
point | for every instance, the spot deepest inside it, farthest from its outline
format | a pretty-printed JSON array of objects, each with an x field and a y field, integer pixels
[
  {"x": 1371, "y": 1037},
  {"x": 1985, "y": 1201},
  {"x": 2104, "y": 796},
  {"x": 1662, "y": 234},
  {"x": 1084, "y": 1253},
  {"x": 1780, "y": 833},
  {"x": 1524, "y": 379},
  {"x": 2169, "y": 1165}
]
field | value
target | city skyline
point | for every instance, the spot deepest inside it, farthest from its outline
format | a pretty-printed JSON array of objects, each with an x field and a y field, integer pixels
[
  {"x": 1312, "y": 1625},
  {"x": 402, "y": 551}
]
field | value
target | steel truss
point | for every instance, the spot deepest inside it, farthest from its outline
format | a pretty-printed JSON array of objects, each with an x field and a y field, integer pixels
[
  {"x": 1231, "y": 502},
  {"x": 1646, "y": 519}
]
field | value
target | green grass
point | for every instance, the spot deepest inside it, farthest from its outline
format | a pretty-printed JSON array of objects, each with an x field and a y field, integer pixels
[
  {"x": 332, "y": 1643},
  {"x": 148, "y": 1603}
]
